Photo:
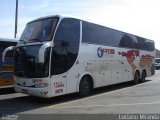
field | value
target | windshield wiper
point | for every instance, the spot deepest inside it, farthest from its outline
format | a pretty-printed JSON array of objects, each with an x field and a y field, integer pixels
[
  {"x": 35, "y": 40},
  {"x": 24, "y": 42}
]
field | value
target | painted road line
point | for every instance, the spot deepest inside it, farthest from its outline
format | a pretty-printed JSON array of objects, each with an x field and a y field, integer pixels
[
  {"x": 95, "y": 96},
  {"x": 13, "y": 95},
  {"x": 109, "y": 105}
]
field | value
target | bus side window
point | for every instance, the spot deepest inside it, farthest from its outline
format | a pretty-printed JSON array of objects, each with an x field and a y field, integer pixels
[
  {"x": 94, "y": 34},
  {"x": 140, "y": 43},
  {"x": 126, "y": 42},
  {"x": 149, "y": 45}
]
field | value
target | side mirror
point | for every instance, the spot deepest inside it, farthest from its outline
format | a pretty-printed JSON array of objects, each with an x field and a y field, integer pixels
[
  {"x": 6, "y": 50},
  {"x": 43, "y": 49}
]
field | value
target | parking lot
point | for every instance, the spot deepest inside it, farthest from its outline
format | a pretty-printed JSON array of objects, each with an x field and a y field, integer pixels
[{"x": 124, "y": 98}]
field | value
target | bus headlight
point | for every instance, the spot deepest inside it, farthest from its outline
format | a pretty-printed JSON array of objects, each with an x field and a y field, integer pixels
[{"x": 41, "y": 85}]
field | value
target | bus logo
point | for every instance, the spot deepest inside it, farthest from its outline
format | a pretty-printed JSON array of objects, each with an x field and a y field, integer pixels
[{"x": 102, "y": 51}]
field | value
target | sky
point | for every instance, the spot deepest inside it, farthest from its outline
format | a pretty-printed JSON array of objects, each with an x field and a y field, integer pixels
[{"x": 139, "y": 17}]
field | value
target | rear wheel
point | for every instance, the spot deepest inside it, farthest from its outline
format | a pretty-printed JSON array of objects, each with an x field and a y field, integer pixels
[
  {"x": 136, "y": 77},
  {"x": 85, "y": 86},
  {"x": 143, "y": 76}
]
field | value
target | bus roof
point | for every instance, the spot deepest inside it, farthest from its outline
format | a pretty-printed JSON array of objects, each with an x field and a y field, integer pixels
[
  {"x": 45, "y": 17},
  {"x": 61, "y": 17}
]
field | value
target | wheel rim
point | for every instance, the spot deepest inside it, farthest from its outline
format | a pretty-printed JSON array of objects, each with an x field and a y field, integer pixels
[{"x": 86, "y": 86}]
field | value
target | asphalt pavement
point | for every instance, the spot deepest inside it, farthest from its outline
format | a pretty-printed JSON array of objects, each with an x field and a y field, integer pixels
[{"x": 124, "y": 98}]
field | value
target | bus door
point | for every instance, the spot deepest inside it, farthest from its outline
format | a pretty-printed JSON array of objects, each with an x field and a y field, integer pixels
[
  {"x": 64, "y": 53},
  {"x": 59, "y": 83},
  {"x": 59, "y": 70}
]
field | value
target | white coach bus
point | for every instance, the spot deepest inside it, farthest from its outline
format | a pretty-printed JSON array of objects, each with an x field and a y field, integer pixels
[{"x": 60, "y": 55}]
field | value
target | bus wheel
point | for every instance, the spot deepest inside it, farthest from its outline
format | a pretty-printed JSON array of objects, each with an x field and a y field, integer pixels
[
  {"x": 136, "y": 77},
  {"x": 143, "y": 76},
  {"x": 85, "y": 86}
]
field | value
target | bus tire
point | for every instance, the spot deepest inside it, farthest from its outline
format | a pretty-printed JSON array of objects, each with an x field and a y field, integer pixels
[
  {"x": 136, "y": 78},
  {"x": 143, "y": 76},
  {"x": 85, "y": 86}
]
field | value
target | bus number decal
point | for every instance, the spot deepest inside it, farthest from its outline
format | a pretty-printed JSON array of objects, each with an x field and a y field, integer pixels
[
  {"x": 58, "y": 86},
  {"x": 58, "y": 91}
]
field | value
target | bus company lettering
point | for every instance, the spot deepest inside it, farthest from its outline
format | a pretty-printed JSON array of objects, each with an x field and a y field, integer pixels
[
  {"x": 58, "y": 84},
  {"x": 101, "y": 51}
]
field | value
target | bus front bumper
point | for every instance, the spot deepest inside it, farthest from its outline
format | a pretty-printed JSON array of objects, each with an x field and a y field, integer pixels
[{"x": 39, "y": 92}]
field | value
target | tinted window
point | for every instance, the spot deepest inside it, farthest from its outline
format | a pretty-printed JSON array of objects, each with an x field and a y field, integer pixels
[
  {"x": 66, "y": 46},
  {"x": 140, "y": 43},
  {"x": 39, "y": 30},
  {"x": 149, "y": 45},
  {"x": 144, "y": 44},
  {"x": 27, "y": 63},
  {"x": 97, "y": 34},
  {"x": 127, "y": 41},
  {"x": 117, "y": 36},
  {"x": 33, "y": 68}
]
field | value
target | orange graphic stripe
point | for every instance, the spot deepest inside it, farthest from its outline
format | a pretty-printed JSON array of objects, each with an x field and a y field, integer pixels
[{"x": 6, "y": 82}]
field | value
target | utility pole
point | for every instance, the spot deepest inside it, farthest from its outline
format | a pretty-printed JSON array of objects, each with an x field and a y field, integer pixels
[{"x": 16, "y": 19}]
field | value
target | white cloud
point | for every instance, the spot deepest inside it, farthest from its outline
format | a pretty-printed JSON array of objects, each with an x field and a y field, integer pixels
[{"x": 140, "y": 17}]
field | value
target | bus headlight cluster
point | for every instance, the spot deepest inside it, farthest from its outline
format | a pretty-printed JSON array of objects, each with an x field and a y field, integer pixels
[{"x": 41, "y": 85}]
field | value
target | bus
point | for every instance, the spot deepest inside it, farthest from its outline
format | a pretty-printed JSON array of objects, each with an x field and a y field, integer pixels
[
  {"x": 59, "y": 55},
  {"x": 6, "y": 68}
]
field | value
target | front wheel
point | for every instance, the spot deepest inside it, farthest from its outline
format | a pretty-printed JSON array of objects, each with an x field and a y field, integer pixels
[{"x": 85, "y": 86}]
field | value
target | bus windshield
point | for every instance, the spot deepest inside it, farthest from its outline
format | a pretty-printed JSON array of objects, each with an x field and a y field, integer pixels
[
  {"x": 40, "y": 30},
  {"x": 27, "y": 64}
]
